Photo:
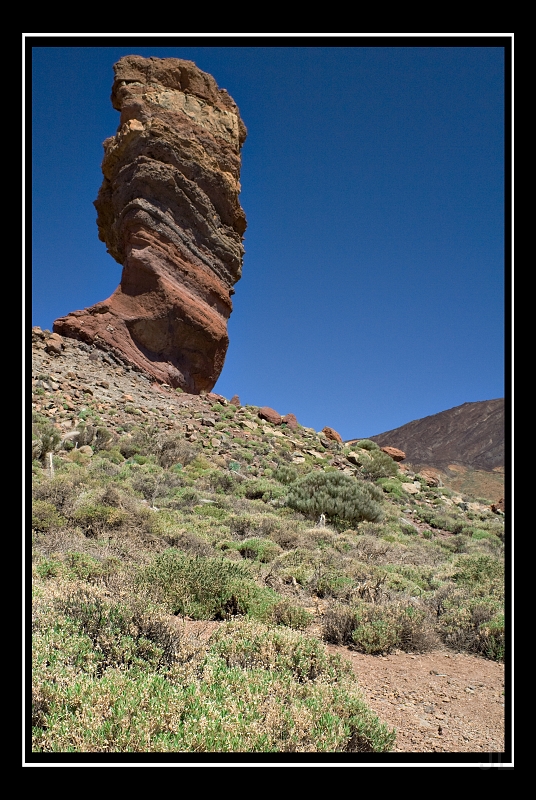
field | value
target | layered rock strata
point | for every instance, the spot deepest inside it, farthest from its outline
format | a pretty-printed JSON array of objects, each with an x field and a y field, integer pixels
[{"x": 168, "y": 211}]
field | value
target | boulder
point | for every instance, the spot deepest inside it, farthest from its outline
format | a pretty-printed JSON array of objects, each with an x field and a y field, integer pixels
[
  {"x": 269, "y": 415},
  {"x": 359, "y": 457},
  {"x": 54, "y": 344},
  {"x": 498, "y": 507},
  {"x": 290, "y": 421},
  {"x": 431, "y": 476},
  {"x": 394, "y": 452},
  {"x": 332, "y": 435},
  {"x": 169, "y": 213}
]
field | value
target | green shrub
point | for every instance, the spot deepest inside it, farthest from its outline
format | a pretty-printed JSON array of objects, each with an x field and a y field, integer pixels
[
  {"x": 392, "y": 486},
  {"x": 284, "y": 613},
  {"x": 186, "y": 498},
  {"x": 113, "y": 454},
  {"x": 123, "y": 635},
  {"x": 285, "y": 474},
  {"x": 379, "y": 466},
  {"x": 292, "y": 699},
  {"x": 94, "y": 518},
  {"x": 491, "y": 636},
  {"x": 45, "y": 516},
  {"x": 206, "y": 588},
  {"x": 263, "y": 550},
  {"x": 45, "y": 436},
  {"x": 367, "y": 444},
  {"x": 82, "y": 566},
  {"x": 473, "y": 624},
  {"x": 261, "y": 489},
  {"x": 48, "y": 568},
  {"x": 376, "y": 628},
  {"x": 223, "y": 482},
  {"x": 376, "y": 635},
  {"x": 344, "y": 500},
  {"x": 478, "y": 569},
  {"x": 212, "y": 511},
  {"x": 330, "y": 584},
  {"x": 277, "y": 649}
]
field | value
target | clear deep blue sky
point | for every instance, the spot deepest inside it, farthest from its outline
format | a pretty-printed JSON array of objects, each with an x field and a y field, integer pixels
[{"x": 373, "y": 182}]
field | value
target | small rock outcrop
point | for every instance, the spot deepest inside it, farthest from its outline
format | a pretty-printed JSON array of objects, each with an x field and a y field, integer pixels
[
  {"x": 498, "y": 507},
  {"x": 394, "y": 452},
  {"x": 269, "y": 415},
  {"x": 290, "y": 421},
  {"x": 432, "y": 477},
  {"x": 168, "y": 211},
  {"x": 332, "y": 435}
]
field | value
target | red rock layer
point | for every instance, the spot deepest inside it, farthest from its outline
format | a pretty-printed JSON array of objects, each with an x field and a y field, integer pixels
[{"x": 168, "y": 211}]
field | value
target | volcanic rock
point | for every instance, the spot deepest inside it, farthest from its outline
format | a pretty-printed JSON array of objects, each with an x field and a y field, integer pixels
[
  {"x": 54, "y": 344},
  {"x": 331, "y": 434},
  {"x": 498, "y": 507},
  {"x": 168, "y": 211},
  {"x": 290, "y": 421},
  {"x": 359, "y": 457},
  {"x": 432, "y": 477},
  {"x": 269, "y": 415},
  {"x": 394, "y": 452}
]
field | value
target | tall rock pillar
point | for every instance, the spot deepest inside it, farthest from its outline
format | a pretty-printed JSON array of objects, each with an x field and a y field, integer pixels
[{"x": 168, "y": 211}]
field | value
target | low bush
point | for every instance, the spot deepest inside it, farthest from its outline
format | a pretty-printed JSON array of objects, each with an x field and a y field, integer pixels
[
  {"x": 263, "y": 550},
  {"x": 253, "y": 690},
  {"x": 95, "y": 518},
  {"x": 285, "y": 474},
  {"x": 205, "y": 588},
  {"x": 341, "y": 498},
  {"x": 379, "y": 466},
  {"x": 46, "y": 516},
  {"x": 473, "y": 624},
  {"x": 367, "y": 444},
  {"x": 379, "y": 628}
]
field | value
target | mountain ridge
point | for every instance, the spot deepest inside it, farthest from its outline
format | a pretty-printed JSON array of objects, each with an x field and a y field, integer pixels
[{"x": 470, "y": 435}]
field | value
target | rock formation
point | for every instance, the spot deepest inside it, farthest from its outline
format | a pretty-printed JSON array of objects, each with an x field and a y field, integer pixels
[
  {"x": 168, "y": 211},
  {"x": 269, "y": 415},
  {"x": 332, "y": 435},
  {"x": 394, "y": 452}
]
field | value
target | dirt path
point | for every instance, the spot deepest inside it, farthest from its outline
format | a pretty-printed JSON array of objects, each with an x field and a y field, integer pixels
[{"x": 438, "y": 702}]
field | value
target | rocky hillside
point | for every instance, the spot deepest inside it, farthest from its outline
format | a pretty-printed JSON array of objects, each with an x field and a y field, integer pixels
[
  {"x": 470, "y": 435},
  {"x": 159, "y": 515}
]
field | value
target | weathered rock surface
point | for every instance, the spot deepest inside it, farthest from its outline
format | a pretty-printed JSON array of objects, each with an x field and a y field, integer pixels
[
  {"x": 498, "y": 508},
  {"x": 269, "y": 415},
  {"x": 394, "y": 452},
  {"x": 332, "y": 434},
  {"x": 290, "y": 421},
  {"x": 168, "y": 211},
  {"x": 432, "y": 477}
]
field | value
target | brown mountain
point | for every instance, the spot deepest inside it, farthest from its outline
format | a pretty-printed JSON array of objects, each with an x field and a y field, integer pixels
[{"x": 470, "y": 435}]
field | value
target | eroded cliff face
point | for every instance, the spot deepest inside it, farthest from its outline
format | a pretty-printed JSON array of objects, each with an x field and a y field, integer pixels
[{"x": 168, "y": 211}]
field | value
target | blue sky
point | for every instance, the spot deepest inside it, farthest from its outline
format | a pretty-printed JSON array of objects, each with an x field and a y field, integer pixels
[{"x": 373, "y": 182}]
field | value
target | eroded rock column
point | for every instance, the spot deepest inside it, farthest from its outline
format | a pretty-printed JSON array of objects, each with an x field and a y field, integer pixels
[{"x": 168, "y": 211}]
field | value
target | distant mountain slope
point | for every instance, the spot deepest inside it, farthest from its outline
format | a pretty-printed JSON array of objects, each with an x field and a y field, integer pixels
[{"x": 471, "y": 435}]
